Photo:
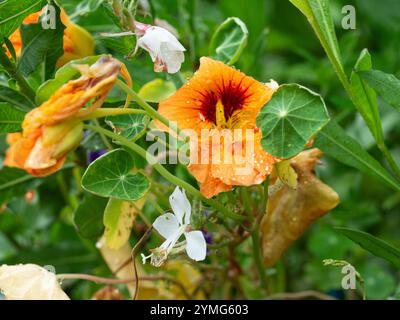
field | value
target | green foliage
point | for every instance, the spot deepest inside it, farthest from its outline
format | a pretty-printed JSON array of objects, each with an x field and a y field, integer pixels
[
  {"x": 52, "y": 221},
  {"x": 40, "y": 45},
  {"x": 10, "y": 118},
  {"x": 157, "y": 90},
  {"x": 109, "y": 176},
  {"x": 379, "y": 283},
  {"x": 373, "y": 245},
  {"x": 337, "y": 144},
  {"x": 88, "y": 217},
  {"x": 387, "y": 85},
  {"x": 14, "y": 183},
  {"x": 365, "y": 96},
  {"x": 130, "y": 126},
  {"x": 290, "y": 119},
  {"x": 15, "y": 99},
  {"x": 318, "y": 15},
  {"x": 229, "y": 40},
  {"x": 13, "y": 12},
  {"x": 87, "y": 6},
  {"x": 120, "y": 44}
]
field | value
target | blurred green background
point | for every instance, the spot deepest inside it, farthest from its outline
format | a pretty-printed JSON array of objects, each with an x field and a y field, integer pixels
[{"x": 283, "y": 47}]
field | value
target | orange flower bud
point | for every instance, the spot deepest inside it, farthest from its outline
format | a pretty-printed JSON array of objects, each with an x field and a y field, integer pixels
[{"x": 55, "y": 128}]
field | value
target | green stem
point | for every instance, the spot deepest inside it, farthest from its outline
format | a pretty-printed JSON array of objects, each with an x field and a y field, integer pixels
[
  {"x": 246, "y": 200},
  {"x": 165, "y": 173},
  {"x": 258, "y": 259},
  {"x": 105, "y": 112},
  {"x": 12, "y": 71},
  {"x": 148, "y": 108},
  {"x": 102, "y": 136},
  {"x": 280, "y": 277},
  {"x": 69, "y": 199},
  {"x": 255, "y": 236}
]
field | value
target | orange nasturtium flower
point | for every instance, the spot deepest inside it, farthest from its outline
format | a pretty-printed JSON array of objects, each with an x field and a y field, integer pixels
[
  {"x": 220, "y": 98},
  {"x": 55, "y": 128},
  {"x": 77, "y": 42}
]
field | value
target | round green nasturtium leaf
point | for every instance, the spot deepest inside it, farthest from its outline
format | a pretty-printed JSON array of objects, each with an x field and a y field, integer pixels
[
  {"x": 129, "y": 126},
  {"x": 229, "y": 40},
  {"x": 110, "y": 176},
  {"x": 290, "y": 119},
  {"x": 62, "y": 76},
  {"x": 157, "y": 90}
]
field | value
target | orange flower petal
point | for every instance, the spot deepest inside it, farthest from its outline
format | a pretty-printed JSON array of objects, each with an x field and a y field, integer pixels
[
  {"x": 220, "y": 98},
  {"x": 193, "y": 105}
]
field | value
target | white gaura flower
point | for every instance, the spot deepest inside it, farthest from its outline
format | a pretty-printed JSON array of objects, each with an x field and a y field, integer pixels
[
  {"x": 172, "y": 227},
  {"x": 164, "y": 48},
  {"x": 29, "y": 282}
]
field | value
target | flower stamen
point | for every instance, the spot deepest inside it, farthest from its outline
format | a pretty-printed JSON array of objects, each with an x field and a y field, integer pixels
[{"x": 220, "y": 115}]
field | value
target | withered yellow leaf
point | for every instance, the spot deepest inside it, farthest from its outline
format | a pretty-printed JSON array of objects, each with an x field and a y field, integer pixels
[
  {"x": 291, "y": 211},
  {"x": 286, "y": 173},
  {"x": 119, "y": 217}
]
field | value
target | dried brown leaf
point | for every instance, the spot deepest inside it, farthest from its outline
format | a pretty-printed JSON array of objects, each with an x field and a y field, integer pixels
[{"x": 291, "y": 211}]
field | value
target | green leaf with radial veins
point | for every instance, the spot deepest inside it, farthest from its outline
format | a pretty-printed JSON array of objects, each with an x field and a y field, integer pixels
[
  {"x": 365, "y": 97},
  {"x": 229, "y": 40},
  {"x": 15, "y": 99},
  {"x": 290, "y": 119},
  {"x": 88, "y": 217},
  {"x": 13, "y": 12},
  {"x": 336, "y": 143},
  {"x": 373, "y": 245},
  {"x": 386, "y": 85},
  {"x": 129, "y": 126},
  {"x": 10, "y": 118},
  {"x": 41, "y": 45},
  {"x": 110, "y": 176}
]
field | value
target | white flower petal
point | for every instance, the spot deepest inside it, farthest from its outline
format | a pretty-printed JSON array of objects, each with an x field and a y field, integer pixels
[
  {"x": 196, "y": 246},
  {"x": 180, "y": 205},
  {"x": 169, "y": 244},
  {"x": 272, "y": 84},
  {"x": 166, "y": 225},
  {"x": 173, "y": 58},
  {"x": 164, "y": 48},
  {"x": 29, "y": 282}
]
